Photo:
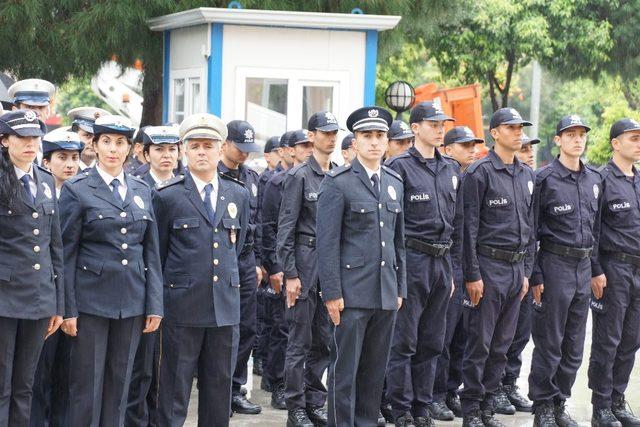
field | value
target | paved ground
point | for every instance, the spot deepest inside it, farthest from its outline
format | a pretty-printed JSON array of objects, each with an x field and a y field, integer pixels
[{"x": 579, "y": 404}]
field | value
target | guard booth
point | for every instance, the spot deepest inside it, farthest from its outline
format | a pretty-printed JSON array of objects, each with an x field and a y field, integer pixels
[{"x": 271, "y": 68}]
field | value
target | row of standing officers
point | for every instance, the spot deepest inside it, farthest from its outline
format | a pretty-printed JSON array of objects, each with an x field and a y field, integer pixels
[{"x": 364, "y": 269}]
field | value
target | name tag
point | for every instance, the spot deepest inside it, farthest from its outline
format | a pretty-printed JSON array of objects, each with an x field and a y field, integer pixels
[
  {"x": 620, "y": 206},
  {"x": 419, "y": 197},
  {"x": 498, "y": 202},
  {"x": 562, "y": 209}
]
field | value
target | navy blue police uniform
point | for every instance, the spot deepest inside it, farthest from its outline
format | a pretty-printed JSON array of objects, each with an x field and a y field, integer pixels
[
  {"x": 50, "y": 401},
  {"x": 307, "y": 354},
  {"x": 431, "y": 201},
  {"x": 566, "y": 209},
  {"x": 241, "y": 134},
  {"x": 31, "y": 272},
  {"x": 201, "y": 286},
  {"x": 360, "y": 245},
  {"x": 616, "y": 316},
  {"x": 112, "y": 281},
  {"x": 498, "y": 249}
]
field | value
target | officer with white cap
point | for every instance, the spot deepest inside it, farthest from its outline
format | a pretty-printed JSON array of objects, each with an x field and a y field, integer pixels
[
  {"x": 203, "y": 218},
  {"x": 33, "y": 94},
  {"x": 83, "y": 119}
]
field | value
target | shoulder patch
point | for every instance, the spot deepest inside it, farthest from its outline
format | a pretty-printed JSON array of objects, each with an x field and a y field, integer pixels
[
  {"x": 337, "y": 171},
  {"x": 230, "y": 178},
  {"x": 169, "y": 182},
  {"x": 393, "y": 173},
  {"x": 475, "y": 165}
]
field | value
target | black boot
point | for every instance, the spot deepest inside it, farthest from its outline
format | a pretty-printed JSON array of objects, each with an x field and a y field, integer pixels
[
  {"x": 544, "y": 415},
  {"x": 604, "y": 418},
  {"x": 440, "y": 412},
  {"x": 423, "y": 421},
  {"x": 298, "y": 418},
  {"x": 502, "y": 404},
  {"x": 277, "y": 397},
  {"x": 473, "y": 419},
  {"x": 258, "y": 367},
  {"x": 520, "y": 402},
  {"x": 405, "y": 420},
  {"x": 265, "y": 384},
  {"x": 382, "y": 421},
  {"x": 563, "y": 419},
  {"x": 489, "y": 420},
  {"x": 242, "y": 405},
  {"x": 385, "y": 411},
  {"x": 317, "y": 415},
  {"x": 620, "y": 411},
  {"x": 453, "y": 402}
]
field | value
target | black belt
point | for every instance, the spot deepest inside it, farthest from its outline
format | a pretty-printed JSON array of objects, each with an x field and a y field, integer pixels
[
  {"x": 579, "y": 253},
  {"x": 306, "y": 240},
  {"x": 501, "y": 254},
  {"x": 625, "y": 257},
  {"x": 433, "y": 249}
]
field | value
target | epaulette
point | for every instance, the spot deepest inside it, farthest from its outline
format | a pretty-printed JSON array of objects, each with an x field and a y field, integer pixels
[
  {"x": 78, "y": 177},
  {"x": 138, "y": 179},
  {"x": 337, "y": 171},
  {"x": 296, "y": 168},
  {"x": 230, "y": 178},
  {"x": 393, "y": 173},
  {"x": 452, "y": 160},
  {"x": 399, "y": 156},
  {"x": 604, "y": 171},
  {"x": 169, "y": 182},
  {"x": 543, "y": 173},
  {"x": 44, "y": 170},
  {"x": 475, "y": 165}
]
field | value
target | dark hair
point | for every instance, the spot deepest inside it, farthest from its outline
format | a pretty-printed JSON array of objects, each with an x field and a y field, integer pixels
[
  {"x": 96, "y": 137},
  {"x": 9, "y": 185},
  {"x": 47, "y": 156}
]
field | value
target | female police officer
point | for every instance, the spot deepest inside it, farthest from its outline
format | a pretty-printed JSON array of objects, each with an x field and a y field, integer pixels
[
  {"x": 31, "y": 279},
  {"x": 113, "y": 279}
]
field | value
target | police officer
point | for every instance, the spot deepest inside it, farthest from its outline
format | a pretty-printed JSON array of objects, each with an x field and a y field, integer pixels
[
  {"x": 50, "y": 403},
  {"x": 112, "y": 276},
  {"x": 361, "y": 249},
  {"x": 400, "y": 139},
  {"x": 460, "y": 143},
  {"x": 161, "y": 152},
  {"x": 497, "y": 260},
  {"x": 34, "y": 95},
  {"x": 307, "y": 354},
  {"x": 508, "y": 398},
  {"x": 82, "y": 123},
  {"x": 271, "y": 155},
  {"x": 615, "y": 302},
  {"x": 431, "y": 185},
  {"x": 235, "y": 151},
  {"x": 346, "y": 149},
  {"x": 203, "y": 218},
  {"x": 566, "y": 209},
  {"x": 136, "y": 156},
  {"x": 294, "y": 149},
  {"x": 31, "y": 262}
]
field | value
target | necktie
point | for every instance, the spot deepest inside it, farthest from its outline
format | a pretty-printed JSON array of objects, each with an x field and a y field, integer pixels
[
  {"x": 115, "y": 183},
  {"x": 25, "y": 184},
  {"x": 376, "y": 185},
  {"x": 207, "y": 202}
]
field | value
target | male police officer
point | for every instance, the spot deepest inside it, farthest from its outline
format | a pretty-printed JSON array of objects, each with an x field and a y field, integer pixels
[
  {"x": 347, "y": 151},
  {"x": 202, "y": 220},
  {"x": 566, "y": 209},
  {"x": 431, "y": 184},
  {"x": 526, "y": 153},
  {"x": 308, "y": 323},
  {"x": 497, "y": 259},
  {"x": 400, "y": 139},
  {"x": 361, "y": 249},
  {"x": 235, "y": 151},
  {"x": 294, "y": 149},
  {"x": 460, "y": 143},
  {"x": 33, "y": 94},
  {"x": 83, "y": 119},
  {"x": 616, "y": 300}
]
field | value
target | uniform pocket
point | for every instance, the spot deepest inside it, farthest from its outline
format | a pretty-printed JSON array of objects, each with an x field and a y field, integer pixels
[
  {"x": 5, "y": 273},
  {"x": 95, "y": 266},
  {"x": 363, "y": 214},
  {"x": 185, "y": 223},
  {"x": 178, "y": 281},
  {"x": 353, "y": 262}
]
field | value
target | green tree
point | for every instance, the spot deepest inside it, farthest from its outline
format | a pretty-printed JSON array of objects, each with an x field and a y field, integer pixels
[{"x": 77, "y": 93}]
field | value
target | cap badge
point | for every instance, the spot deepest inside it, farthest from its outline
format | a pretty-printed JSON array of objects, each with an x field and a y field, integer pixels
[
  {"x": 373, "y": 113},
  {"x": 248, "y": 135},
  {"x": 575, "y": 119},
  {"x": 330, "y": 118},
  {"x": 138, "y": 201},
  {"x": 634, "y": 122},
  {"x": 233, "y": 210},
  {"x": 392, "y": 192},
  {"x": 515, "y": 114},
  {"x": 404, "y": 126},
  {"x": 30, "y": 116},
  {"x": 469, "y": 132}
]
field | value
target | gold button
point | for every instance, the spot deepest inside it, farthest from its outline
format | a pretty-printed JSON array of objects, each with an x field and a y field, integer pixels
[
  {"x": 35, "y": 215},
  {"x": 123, "y": 230},
  {"x": 123, "y": 214},
  {"x": 36, "y": 267},
  {"x": 215, "y": 278},
  {"x": 215, "y": 245},
  {"x": 36, "y": 249},
  {"x": 125, "y": 262},
  {"x": 216, "y": 262},
  {"x": 36, "y": 231},
  {"x": 125, "y": 246}
]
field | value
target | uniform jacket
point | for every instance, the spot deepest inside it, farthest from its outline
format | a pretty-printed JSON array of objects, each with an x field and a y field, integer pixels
[
  {"x": 111, "y": 261},
  {"x": 360, "y": 240},
  {"x": 31, "y": 267},
  {"x": 199, "y": 258},
  {"x": 270, "y": 212}
]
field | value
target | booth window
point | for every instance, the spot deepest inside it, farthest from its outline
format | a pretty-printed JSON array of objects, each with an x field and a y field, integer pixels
[
  {"x": 187, "y": 98},
  {"x": 314, "y": 99},
  {"x": 266, "y": 106}
]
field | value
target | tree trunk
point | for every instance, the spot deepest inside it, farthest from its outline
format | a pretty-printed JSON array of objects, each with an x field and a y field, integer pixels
[
  {"x": 629, "y": 94},
  {"x": 507, "y": 84},
  {"x": 492, "y": 91},
  {"x": 152, "y": 94}
]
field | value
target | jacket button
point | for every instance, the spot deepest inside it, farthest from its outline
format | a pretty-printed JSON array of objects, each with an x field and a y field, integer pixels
[
  {"x": 123, "y": 214},
  {"x": 216, "y": 262},
  {"x": 381, "y": 223},
  {"x": 383, "y": 244},
  {"x": 215, "y": 278},
  {"x": 36, "y": 249},
  {"x": 9, "y": 212},
  {"x": 100, "y": 216},
  {"x": 123, "y": 230},
  {"x": 185, "y": 226},
  {"x": 36, "y": 231},
  {"x": 125, "y": 246},
  {"x": 35, "y": 215},
  {"x": 144, "y": 217},
  {"x": 172, "y": 285},
  {"x": 36, "y": 266},
  {"x": 215, "y": 230},
  {"x": 215, "y": 245},
  {"x": 361, "y": 210},
  {"x": 348, "y": 266},
  {"x": 84, "y": 267},
  {"x": 382, "y": 263},
  {"x": 379, "y": 205},
  {"x": 125, "y": 262}
]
